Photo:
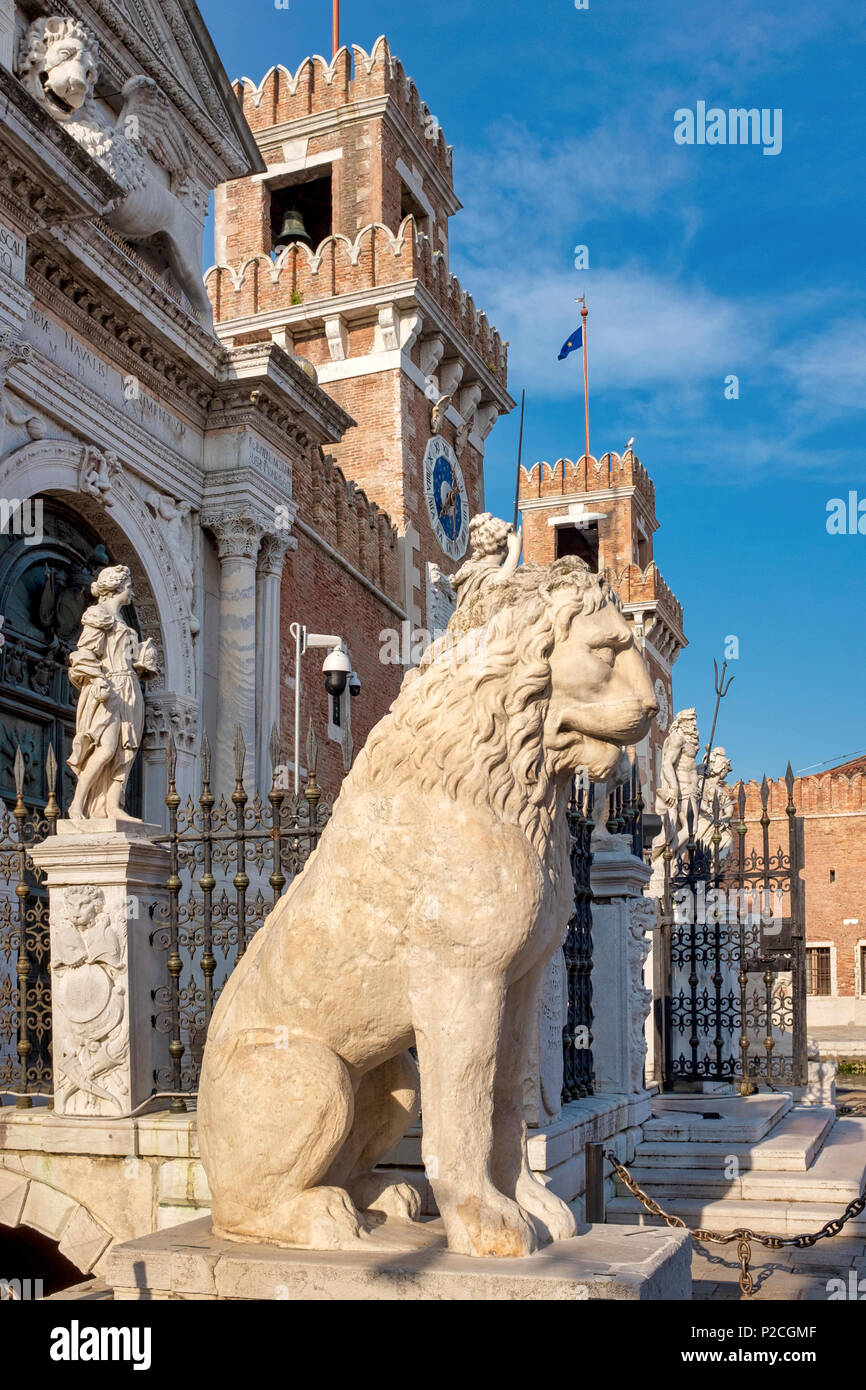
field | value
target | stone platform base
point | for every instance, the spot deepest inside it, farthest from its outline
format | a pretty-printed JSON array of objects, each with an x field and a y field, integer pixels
[{"x": 402, "y": 1262}]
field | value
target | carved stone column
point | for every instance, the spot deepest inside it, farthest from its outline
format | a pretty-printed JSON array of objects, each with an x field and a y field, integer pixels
[
  {"x": 269, "y": 577},
  {"x": 237, "y": 537},
  {"x": 168, "y": 713},
  {"x": 621, "y": 917},
  {"x": 105, "y": 886}
]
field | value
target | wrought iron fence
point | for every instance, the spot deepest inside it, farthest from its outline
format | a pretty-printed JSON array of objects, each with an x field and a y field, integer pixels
[
  {"x": 734, "y": 956},
  {"x": 577, "y": 1072},
  {"x": 229, "y": 864},
  {"x": 230, "y": 861},
  {"x": 624, "y": 817},
  {"x": 25, "y": 983},
  {"x": 214, "y": 908}
]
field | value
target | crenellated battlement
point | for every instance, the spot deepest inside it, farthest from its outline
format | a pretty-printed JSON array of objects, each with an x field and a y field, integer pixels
[
  {"x": 347, "y": 519},
  {"x": 339, "y": 266},
  {"x": 636, "y": 585},
  {"x": 586, "y": 474},
  {"x": 835, "y": 790},
  {"x": 351, "y": 76}
]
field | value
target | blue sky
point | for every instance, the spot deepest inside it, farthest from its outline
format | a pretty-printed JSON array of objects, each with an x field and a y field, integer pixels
[{"x": 705, "y": 261}]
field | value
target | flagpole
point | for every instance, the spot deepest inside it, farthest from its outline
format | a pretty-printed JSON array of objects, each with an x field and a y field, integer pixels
[
  {"x": 336, "y": 27},
  {"x": 519, "y": 459},
  {"x": 584, "y": 315}
]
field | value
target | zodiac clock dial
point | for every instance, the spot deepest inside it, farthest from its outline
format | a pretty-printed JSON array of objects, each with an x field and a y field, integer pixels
[{"x": 447, "y": 498}]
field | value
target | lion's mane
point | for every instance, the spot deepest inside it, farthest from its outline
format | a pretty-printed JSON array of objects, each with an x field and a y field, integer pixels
[
  {"x": 92, "y": 127},
  {"x": 471, "y": 718},
  {"x": 34, "y": 45}
]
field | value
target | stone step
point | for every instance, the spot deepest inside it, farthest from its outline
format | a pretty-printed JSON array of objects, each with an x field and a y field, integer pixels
[
  {"x": 742, "y": 1119},
  {"x": 765, "y": 1218},
  {"x": 791, "y": 1146},
  {"x": 836, "y": 1176}
]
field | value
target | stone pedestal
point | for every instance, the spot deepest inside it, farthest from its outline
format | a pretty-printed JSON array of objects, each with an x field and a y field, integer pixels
[
  {"x": 400, "y": 1262},
  {"x": 106, "y": 881},
  {"x": 621, "y": 919}
]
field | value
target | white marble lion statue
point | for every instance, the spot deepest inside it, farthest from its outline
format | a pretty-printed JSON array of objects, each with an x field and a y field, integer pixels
[
  {"x": 427, "y": 915},
  {"x": 143, "y": 149}
]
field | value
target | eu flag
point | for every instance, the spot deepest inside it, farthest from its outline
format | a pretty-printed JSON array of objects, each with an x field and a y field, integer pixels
[{"x": 574, "y": 342}]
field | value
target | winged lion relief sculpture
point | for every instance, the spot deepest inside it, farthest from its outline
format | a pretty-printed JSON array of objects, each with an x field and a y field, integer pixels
[{"x": 143, "y": 149}]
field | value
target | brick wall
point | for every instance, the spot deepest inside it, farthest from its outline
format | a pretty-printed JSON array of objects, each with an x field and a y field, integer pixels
[
  {"x": 832, "y": 806},
  {"x": 318, "y": 592}
]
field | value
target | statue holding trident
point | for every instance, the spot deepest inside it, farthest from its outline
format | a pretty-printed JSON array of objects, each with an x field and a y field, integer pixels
[{"x": 107, "y": 667}]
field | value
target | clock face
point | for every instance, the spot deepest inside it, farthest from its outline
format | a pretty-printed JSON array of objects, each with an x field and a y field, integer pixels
[
  {"x": 447, "y": 498},
  {"x": 664, "y": 708}
]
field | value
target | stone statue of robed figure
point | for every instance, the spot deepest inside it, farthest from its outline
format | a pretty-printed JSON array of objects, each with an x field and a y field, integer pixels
[{"x": 107, "y": 667}]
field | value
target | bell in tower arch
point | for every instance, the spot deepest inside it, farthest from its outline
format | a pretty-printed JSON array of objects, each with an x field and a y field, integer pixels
[{"x": 292, "y": 230}]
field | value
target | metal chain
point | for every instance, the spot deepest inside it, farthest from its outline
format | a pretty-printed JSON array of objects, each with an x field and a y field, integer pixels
[{"x": 743, "y": 1236}]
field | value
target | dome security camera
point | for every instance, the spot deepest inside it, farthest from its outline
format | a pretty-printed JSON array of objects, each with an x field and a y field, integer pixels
[
  {"x": 354, "y": 685},
  {"x": 336, "y": 669}
]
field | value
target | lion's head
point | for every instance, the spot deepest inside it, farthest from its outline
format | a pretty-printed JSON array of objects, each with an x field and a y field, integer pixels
[
  {"x": 58, "y": 63},
  {"x": 85, "y": 905},
  {"x": 539, "y": 676}
]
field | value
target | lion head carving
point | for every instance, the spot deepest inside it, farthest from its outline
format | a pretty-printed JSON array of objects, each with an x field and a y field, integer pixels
[
  {"x": 537, "y": 676},
  {"x": 58, "y": 63}
]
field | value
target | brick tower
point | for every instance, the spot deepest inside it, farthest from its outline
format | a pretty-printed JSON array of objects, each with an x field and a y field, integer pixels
[
  {"x": 604, "y": 511},
  {"x": 355, "y": 156}
]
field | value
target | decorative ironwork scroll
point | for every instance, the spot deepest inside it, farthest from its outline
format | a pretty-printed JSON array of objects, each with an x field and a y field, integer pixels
[
  {"x": 736, "y": 963},
  {"x": 577, "y": 1033},
  {"x": 229, "y": 864},
  {"x": 25, "y": 982}
]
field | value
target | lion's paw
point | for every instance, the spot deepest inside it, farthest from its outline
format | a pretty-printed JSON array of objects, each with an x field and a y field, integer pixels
[
  {"x": 494, "y": 1226},
  {"x": 378, "y": 1192},
  {"x": 322, "y": 1218},
  {"x": 548, "y": 1209}
]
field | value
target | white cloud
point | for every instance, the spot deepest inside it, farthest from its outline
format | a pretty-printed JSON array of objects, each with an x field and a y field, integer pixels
[
  {"x": 827, "y": 368},
  {"x": 645, "y": 329},
  {"x": 521, "y": 188}
]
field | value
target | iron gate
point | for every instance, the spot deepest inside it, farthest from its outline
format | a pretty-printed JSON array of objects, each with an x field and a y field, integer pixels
[{"x": 733, "y": 960}]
